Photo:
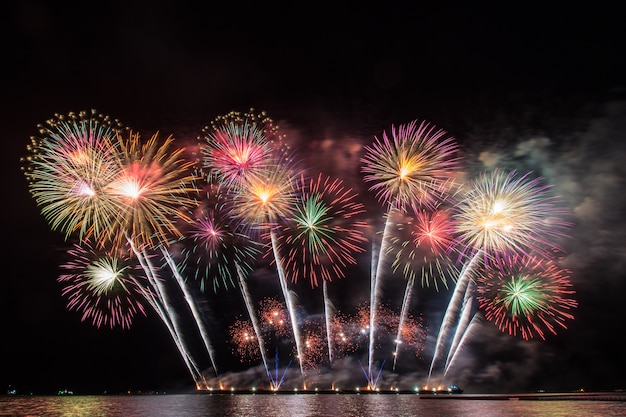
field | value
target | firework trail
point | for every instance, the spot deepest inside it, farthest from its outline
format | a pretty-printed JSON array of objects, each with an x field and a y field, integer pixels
[
  {"x": 262, "y": 202},
  {"x": 191, "y": 303},
  {"x": 453, "y": 309},
  {"x": 236, "y": 150},
  {"x": 329, "y": 311},
  {"x": 167, "y": 314},
  {"x": 322, "y": 236},
  {"x": 403, "y": 314},
  {"x": 465, "y": 315},
  {"x": 413, "y": 168},
  {"x": 102, "y": 284},
  {"x": 289, "y": 303},
  {"x": 499, "y": 215},
  {"x": 473, "y": 327},
  {"x": 156, "y": 185},
  {"x": 213, "y": 249},
  {"x": 276, "y": 320},
  {"x": 255, "y": 323}
]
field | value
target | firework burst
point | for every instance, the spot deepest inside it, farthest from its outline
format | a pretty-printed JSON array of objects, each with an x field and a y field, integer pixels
[
  {"x": 412, "y": 335},
  {"x": 526, "y": 295},
  {"x": 345, "y": 334},
  {"x": 153, "y": 185},
  {"x": 412, "y": 168},
  {"x": 103, "y": 286},
  {"x": 213, "y": 247},
  {"x": 313, "y": 344},
  {"x": 237, "y": 147},
  {"x": 267, "y": 197},
  {"x": 322, "y": 236},
  {"x": 503, "y": 213},
  {"x": 244, "y": 340},
  {"x": 69, "y": 170},
  {"x": 274, "y": 316},
  {"x": 423, "y": 245}
]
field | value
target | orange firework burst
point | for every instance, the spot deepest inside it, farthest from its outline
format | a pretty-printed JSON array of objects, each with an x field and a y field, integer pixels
[
  {"x": 244, "y": 340},
  {"x": 274, "y": 316}
]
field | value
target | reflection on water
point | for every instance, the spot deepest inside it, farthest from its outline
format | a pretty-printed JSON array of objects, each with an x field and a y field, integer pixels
[{"x": 194, "y": 405}]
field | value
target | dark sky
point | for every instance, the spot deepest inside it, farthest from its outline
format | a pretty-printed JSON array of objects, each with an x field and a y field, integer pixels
[{"x": 527, "y": 87}]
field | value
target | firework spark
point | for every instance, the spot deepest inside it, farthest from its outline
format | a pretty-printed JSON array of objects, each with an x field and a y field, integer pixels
[
  {"x": 244, "y": 340},
  {"x": 274, "y": 316}
]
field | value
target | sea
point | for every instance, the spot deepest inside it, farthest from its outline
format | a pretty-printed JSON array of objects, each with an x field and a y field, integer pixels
[{"x": 196, "y": 405}]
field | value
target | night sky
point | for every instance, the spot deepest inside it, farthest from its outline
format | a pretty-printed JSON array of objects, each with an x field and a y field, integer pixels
[{"x": 531, "y": 88}]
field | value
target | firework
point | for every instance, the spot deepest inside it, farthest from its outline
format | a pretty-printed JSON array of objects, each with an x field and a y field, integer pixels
[
  {"x": 213, "y": 247},
  {"x": 503, "y": 213},
  {"x": 412, "y": 336},
  {"x": 99, "y": 182},
  {"x": 237, "y": 147},
  {"x": 526, "y": 295},
  {"x": 313, "y": 344},
  {"x": 268, "y": 197},
  {"x": 274, "y": 316},
  {"x": 103, "y": 286},
  {"x": 243, "y": 338},
  {"x": 153, "y": 185},
  {"x": 413, "y": 167},
  {"x": 345, "y": 334},
  {"x": 322, "y": 236},
  {"x": 69, "y": 170},
  {"x": 423, "y": 245}
]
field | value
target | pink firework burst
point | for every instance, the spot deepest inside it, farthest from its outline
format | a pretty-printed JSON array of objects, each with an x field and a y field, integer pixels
[
  {"x": 103, "y": 285},
  {"x": 423, "y": 245},
  {"x": 237, "y": 147}
]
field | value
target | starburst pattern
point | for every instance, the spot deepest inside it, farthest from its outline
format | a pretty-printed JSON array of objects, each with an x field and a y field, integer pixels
[
  {"x": 69, "y": 170},
  {"x": 526, "y": 295},
  {"x": 412, "y": 168},
  {"x": 104, "y": 286},
  {"x": 503, "y": 213},
  {"x": 321, "y": 238}
]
